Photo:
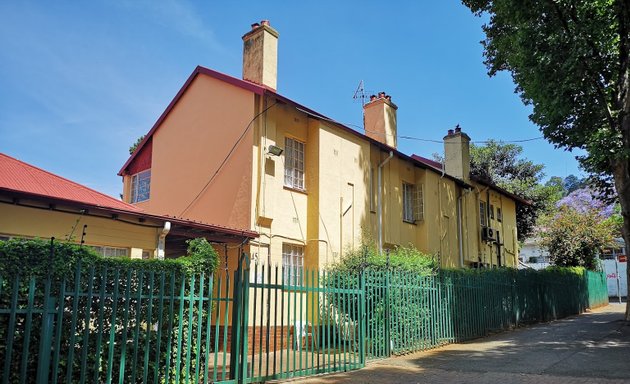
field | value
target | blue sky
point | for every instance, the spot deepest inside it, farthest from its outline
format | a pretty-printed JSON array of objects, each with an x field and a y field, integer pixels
[{"x": 80, "y": 81}]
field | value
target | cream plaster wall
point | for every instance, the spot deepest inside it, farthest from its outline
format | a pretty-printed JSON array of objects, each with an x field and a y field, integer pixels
[
  {"x": 188, "y": 148},
  {"x": 20, "y": 221}
]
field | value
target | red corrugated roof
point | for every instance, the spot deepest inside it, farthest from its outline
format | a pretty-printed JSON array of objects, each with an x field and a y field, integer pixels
[
  {"x": 25, "y": 180},
  {"x": 16, "y": 175}
]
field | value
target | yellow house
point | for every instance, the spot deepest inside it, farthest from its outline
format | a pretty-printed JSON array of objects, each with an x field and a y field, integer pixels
[
  {"x": 235, "y": 152},
  {"x": 38, "y": 204}
]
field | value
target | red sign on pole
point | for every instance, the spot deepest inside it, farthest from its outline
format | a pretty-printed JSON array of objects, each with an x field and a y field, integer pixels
[{"x": 622, "y": 258}]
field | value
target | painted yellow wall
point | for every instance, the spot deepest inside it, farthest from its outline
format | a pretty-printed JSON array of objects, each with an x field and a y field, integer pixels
[
  {"x": 193, "y": 140},
  {"x": 334, "y": 211},
  {"x": 20, "y": 221}
]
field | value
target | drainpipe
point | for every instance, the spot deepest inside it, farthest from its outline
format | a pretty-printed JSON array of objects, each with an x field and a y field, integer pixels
[
  {"x": 380, "y": 200},
  {"x": 459, "y": 228},
  {"x": 162, "y": 240}
]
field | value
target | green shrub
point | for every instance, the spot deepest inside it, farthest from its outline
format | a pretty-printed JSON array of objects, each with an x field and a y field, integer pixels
[
  {"x": 367, "y": 256},
  {"x": 119, "y": 298},
  {"x": 34, "y": 258}
]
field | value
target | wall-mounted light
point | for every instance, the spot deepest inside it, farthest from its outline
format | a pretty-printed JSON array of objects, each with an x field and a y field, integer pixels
[{"x": 274, "y": 150}]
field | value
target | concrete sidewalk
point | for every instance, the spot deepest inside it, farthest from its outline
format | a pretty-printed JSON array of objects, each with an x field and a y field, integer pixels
[{"x": 590, "y": 348}]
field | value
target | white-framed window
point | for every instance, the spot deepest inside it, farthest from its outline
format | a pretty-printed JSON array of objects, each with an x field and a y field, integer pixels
[
  {"x": 110, "y": 251},
  {"x": 141, "y": 186},
  {"x": 413, "y": 204},
  {"x": 294, "y": 164},
  {"x": 483, "y": 219},
  {"x": 293, "y": 264}
]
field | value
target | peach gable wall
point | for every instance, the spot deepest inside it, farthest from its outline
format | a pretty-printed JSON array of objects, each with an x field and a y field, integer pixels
[{"x": 190, "y": 145}]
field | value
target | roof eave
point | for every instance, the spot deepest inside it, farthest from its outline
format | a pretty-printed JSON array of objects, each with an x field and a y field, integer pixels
[{"x": 139, "y": 214}]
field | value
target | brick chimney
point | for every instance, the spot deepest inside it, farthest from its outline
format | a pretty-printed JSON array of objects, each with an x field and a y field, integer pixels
[
  {"x": 457, "y": 154},
  {"x": 260, "y": 55},
  {"x": 379, "y": 119}
]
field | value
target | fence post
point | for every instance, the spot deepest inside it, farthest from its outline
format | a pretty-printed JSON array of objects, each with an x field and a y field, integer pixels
[
  {"x": 362, "y": 322},
  {"x": 238, "y": 347},
  {"x": 48, "y": 320},
  {"x": 388, "y": 346}
]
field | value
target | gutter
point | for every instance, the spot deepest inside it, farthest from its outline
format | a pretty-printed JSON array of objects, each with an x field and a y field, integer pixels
[
  {"x": 162, "y": 240},
  {"x": 460, "y": 229}
]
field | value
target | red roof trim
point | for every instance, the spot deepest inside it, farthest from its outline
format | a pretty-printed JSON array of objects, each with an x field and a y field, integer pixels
[
  {"x": 260, "y": 90},
  {"x": 249, "y": 86},
  {"x": 438, "y": 167}
]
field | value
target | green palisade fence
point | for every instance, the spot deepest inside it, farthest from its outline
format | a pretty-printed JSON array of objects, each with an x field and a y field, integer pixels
[
  {"x": 114, "y": 326},
  {"x": 109, "y": 325}
]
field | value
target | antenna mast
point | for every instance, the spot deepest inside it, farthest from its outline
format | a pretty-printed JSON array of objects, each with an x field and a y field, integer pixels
[{"x": 359, "y": 94}]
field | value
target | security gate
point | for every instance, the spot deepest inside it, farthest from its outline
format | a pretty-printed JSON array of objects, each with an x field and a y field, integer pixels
[{"x": 291, "y": 323}]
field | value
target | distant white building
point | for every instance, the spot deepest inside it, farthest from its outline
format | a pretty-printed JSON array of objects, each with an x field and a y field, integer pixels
[{"x": 532, "y": 255}]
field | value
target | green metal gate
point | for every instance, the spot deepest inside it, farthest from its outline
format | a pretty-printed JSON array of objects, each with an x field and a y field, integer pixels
[{"x": 300, "y": 322}]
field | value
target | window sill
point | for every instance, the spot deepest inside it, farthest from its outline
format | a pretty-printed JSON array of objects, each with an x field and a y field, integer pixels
[
  {"x": 302, "y": 191},
  {"x": 410, "y": 222}
]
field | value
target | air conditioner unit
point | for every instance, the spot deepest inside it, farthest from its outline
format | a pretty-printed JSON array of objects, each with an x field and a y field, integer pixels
[{"x": 488, "y": 234}]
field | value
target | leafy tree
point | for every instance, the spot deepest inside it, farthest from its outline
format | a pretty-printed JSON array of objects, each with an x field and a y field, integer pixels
[
  {"x": 557, "y": 183},
  {"x": 570, "y": 60},
  {"x": 133, "y": 148},
  {"x": 574, "y": 237},
  {"x": 503, "y": 165},
  {"x": 572, "y": 183}
]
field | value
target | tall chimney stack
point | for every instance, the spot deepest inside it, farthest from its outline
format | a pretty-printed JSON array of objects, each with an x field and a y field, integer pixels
[
  {"x": 260, "y": 55},
  {"x": 379, "y": 119},
  {"x": 457, "y": 154}
]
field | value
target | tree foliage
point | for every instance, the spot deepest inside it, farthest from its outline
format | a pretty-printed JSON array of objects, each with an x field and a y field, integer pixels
[
  {"x": 134, "y": 146},
  {"x": 503, "y": 165},
  {"x": 574, "y": 238},
  {"x": 570, "y": 60}
]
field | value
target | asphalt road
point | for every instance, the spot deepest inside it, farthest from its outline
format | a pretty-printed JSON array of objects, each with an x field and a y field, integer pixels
[{"x": 590, "y": 348}]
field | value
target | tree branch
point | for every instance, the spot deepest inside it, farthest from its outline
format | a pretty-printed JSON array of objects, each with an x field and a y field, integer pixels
[{"x": 594, "y": 75}]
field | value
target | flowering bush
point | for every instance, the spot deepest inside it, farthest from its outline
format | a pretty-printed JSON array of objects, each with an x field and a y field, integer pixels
[{"x": 574, "y": 235}]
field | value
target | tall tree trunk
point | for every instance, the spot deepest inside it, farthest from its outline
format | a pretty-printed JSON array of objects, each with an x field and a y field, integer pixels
[
  {"x": 622, "y": 184},
  {"x": 621, "y": 174}
]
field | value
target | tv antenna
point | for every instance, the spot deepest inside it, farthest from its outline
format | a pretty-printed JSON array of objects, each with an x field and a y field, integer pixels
[{"x": 359, "y": 94}]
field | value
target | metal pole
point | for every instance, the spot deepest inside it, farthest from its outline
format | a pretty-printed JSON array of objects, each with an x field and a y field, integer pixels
[
  {"x": 48, "y": 319},
  {"x": 617, "y": 277}
]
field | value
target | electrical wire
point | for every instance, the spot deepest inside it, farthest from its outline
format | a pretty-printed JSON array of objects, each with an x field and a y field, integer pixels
[
  {"x": 227, "y": 157},
  {"x": 417, "y": 138}
]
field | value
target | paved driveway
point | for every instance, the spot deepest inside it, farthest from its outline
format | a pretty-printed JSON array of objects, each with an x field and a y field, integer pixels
[{"x": 590, "y": 348}]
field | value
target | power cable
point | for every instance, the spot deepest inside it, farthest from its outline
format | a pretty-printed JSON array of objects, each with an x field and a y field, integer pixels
[
  {"x": 416, "y": 138},
  {"x": 227, "y": 157}
]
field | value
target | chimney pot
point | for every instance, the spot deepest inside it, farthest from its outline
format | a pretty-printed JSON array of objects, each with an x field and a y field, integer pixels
[
  {"x": 372, "y": 97},
  {"x": 381, "y": 95},
  {"x": 255, "y": 25},
  {"x": 265, "y": 22},
  {"x": 458, "y": 129},
  {"x": 451, "y": 132}
]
